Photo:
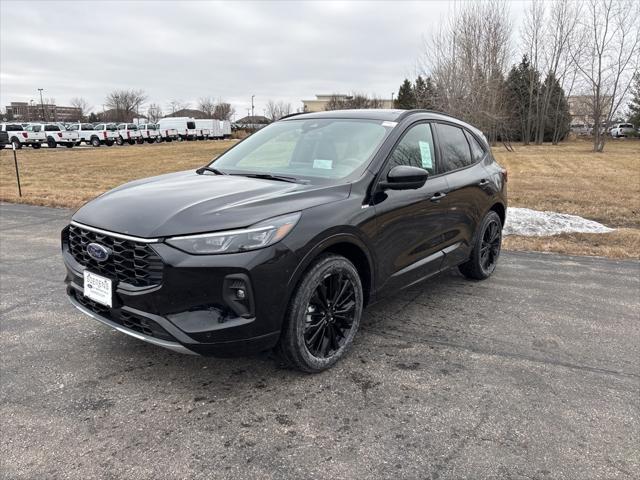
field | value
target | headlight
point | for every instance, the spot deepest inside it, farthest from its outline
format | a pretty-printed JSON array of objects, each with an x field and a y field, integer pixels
[{"x": 257, "y": 236}]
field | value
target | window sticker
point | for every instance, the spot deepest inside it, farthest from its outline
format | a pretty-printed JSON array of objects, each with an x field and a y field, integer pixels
[
  {"x": 324, "y": 164},
  {"x": 425, "y": 154}
]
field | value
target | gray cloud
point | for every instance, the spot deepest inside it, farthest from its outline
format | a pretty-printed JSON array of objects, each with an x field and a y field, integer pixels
[{"x": 188, "y": 49}]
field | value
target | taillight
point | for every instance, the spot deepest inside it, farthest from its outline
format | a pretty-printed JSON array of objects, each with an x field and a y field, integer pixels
[
  {"x": 105, "y": 135},
  {"x": 128, "y": 134},
  {"x": 505, "y": 175},
  {"x": 25, "y": 134},
  {"x": 59, "y": 134}
]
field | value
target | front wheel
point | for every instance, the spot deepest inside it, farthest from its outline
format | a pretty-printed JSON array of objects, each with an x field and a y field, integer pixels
[
  {"x": 70, "y": 145},
  {"x": 132, "y": 142},
  {"x": 51, "y": 143},
  {"x": 486, "y": 249},
  {"x": 109, "y": 143},
  {"x": 95, "y": 141},
  {"x": 36, "y": 146},
  {"x": 323, "y": 315},
  {"x": 15, "y": 143}
]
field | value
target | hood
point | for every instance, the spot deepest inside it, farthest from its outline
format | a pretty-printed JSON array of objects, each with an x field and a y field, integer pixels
[{"x": 183, "y": 203}]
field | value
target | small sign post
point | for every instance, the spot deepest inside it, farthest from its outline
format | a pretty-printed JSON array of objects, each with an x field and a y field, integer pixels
[{"x": 15, "y": 162}]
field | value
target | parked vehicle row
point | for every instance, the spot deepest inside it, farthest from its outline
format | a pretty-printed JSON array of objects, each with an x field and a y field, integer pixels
[
  {"x": 617, "y": 130},
  {"x": 70, "y": 135}
]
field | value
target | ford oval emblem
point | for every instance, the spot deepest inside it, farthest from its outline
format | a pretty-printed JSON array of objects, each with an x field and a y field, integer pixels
[{"x": 98, "y": 252}]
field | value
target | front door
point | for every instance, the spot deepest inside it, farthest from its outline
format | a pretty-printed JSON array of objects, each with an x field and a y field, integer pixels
[{"x": 410, "y": 222}]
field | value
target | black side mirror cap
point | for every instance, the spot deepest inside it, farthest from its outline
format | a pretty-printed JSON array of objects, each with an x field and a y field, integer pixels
[{"x": 404, "y": 177}]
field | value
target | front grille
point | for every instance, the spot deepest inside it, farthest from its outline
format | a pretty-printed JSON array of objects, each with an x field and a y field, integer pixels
[
  {"x": 130, "y": 262},
  {"x": 126, "y": 319}
]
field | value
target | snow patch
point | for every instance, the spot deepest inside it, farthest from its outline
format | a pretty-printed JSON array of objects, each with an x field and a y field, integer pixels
[{"x": 535, "y": 223}]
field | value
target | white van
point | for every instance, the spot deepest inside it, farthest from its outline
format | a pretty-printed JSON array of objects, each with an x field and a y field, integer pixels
[
  {"x": 186, "y": 126},
  {"x": 225, "y": 125},
  {"x": 207, "y": 126}
]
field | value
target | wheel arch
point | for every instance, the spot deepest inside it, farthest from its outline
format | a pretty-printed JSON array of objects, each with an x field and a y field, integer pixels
[
  {"x": 500, "y": 209},
  {"x": 348, "y": 246}
]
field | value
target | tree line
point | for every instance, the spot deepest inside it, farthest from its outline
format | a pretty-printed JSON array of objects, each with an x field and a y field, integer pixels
[{"x": 589, "y": 49}]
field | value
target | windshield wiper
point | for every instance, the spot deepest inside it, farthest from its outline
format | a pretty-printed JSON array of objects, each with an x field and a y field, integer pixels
[
  {"x": 268, "y": 176},
  {"x": 201, "y": 170}
]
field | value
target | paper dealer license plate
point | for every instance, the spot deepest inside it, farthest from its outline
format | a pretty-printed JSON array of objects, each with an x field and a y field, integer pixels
[{"x": 98, "y": 288}]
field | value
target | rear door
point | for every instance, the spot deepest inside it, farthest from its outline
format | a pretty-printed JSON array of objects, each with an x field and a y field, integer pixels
[
  {"x": 469, "y": 188},
  {"x": 410, "y": 222}
]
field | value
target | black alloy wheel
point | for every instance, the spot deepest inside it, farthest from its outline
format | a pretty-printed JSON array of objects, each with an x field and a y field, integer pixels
[
  {"x": 486, "y": 249},
  {"x": 330, "y": 315},
  {"x": 323, "y": 315}
]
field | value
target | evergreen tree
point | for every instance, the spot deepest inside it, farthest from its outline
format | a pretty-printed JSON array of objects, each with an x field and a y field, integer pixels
[
  {"x": 406, "y": 96},
  {"x": 558, "y": 120},
  {"x": 522, "y": 86},
  {"x": 425, "y": 93},
  {"x": 93, "y": 118},
  {"x": 634, "y": 104}
]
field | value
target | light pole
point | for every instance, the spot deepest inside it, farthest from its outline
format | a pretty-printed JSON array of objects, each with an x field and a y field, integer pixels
[
  {"x": 42, "y": 104},
  {"x": 31, "y": 117},
  {"x": 392, "y": 93},
  {"x": 252, "y": 108}
]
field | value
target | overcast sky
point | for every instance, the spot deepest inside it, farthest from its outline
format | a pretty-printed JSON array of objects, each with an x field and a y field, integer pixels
[{"x": 188, "y": 49}]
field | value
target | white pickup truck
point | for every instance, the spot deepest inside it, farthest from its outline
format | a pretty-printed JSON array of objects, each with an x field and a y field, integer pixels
[
  {"x": 107, "y": 132},
  {"x": 20, "y": 136},
  {"x": 620, "y": 130},
  {"x": 168, "y": 134},
  {"x": 90, "y": 135},
  {"x": 149, "y": 132},
  {"x": 128, "y": 133},
  {"x": 56, "y": 134}
]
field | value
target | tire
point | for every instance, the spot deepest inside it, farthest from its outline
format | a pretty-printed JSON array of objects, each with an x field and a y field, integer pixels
[
  {"x": 314, "y": 337},
  {"x": 120, "y": 141},
  {"x": 70, "y": 145},
  {"x": 140, "y": 141},
  {"x": 131, "y": 142},
  {"x": 109, "y": 143},
  {"x": 486, "y": 249},
  {"x": 95, "y": 141},
  {"x": 15, "y": 143},
  {"x": 36, "y": 146},
  {"x": 51, "y": 143}
]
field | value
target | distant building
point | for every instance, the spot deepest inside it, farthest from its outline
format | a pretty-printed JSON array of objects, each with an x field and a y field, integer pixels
[
  {"x": 189, "y": 112},
  {"x": 48, "y": 112},
  {"x": 581, "y": 109},
  {"x": 319, "y": 104},
  {"x": 255, "y": 122}
]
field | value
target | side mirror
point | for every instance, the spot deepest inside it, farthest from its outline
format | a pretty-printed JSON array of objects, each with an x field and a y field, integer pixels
[{"x": 404, "y": 177}]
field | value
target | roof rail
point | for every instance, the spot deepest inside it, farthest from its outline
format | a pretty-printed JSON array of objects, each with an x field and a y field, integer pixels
[
  {"x": 406, "y": 113},
  {"x": 291, "y": 115}
]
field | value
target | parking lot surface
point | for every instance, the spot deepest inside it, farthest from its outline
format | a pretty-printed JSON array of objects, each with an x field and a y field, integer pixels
[{"x": 534, "y": 373}]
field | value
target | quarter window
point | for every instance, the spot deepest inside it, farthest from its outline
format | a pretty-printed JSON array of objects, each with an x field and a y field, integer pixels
[
  {"x": 454, "y": 148},
  {"x": 415, "y": 149},
  {"x": 477, "y": 152}
]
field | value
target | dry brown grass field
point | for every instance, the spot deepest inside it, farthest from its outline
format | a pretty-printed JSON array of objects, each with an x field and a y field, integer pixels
[{"x": 567, "y": 178}]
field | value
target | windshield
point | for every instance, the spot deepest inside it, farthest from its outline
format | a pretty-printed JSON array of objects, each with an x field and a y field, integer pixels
[{"x": 317, "y": 148}]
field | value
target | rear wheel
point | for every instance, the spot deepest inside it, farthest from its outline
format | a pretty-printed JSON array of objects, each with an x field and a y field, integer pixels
[
  {"x": 36, "y": 145},
  {"x": 120, "y": 141},
  {"x": 109, "y": 143},
  {"x": 15, "y": 143},
  {"x": 51, "y": 143},
  {"x": 486, "y": 250},
  {"x": 69, "y": 145},
  {"x": 323, "y": 315},
  {"x": 132, "y": 142},
  {"x": 95, "y": 141}
]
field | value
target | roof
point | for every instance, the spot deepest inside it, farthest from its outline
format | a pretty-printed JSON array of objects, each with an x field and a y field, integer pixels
[
  {"x": 255, "y": 119},
  {"x": 392, "y": 115},
  {"x": 189, "y": 112}
]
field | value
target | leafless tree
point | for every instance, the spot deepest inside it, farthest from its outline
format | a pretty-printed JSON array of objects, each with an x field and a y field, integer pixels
[
  {"x": 223, "y": 111},
  {"x": 532, "y": 39},
  {"x": 207, "y": 105},
  {"x": 154, "y": 112},
  {"x": 177, "y": 105},
  {"x": 467, "y": 59},
  {"x": 609, "y": 34},
  {"x": 82, "y": 105},
  {"x": 277, "y": 110},
  {"x": 125, "y": 103},
  {"x": 353, "y": 101}
]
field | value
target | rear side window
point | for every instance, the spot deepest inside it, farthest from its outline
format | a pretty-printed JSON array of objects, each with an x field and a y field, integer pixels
[
  {"x": 191, "y": 125},
  {"x": 73, "y": 127},
  {"x": 132, "y": 126},
  {"x": 111, "y": 127},
  {"x": 14, "y": 128},
  {"x": 415, "y": 149},
  {"x": 33, "y": 128},
  {"x": 51, "y": 128},
  {"x": 477, "y": 152},
  {"x": 453, "y": 147},
  {"x": 87, "y": 126}
]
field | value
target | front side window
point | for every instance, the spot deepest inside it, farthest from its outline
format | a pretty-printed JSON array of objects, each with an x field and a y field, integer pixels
[
  {"x": 73, "y": 127},
  {"x": 51, "y": 128},
  {"x": 87, "y": 126},
  {"x": 132, "y": 126},
  {"x": 33, "y": 128},
  {"x": 415, "y": 149},
  {"x": 312, "y": 149},
  {"x": 453, "y": 147},
  {"x": 99, "y": 127}
]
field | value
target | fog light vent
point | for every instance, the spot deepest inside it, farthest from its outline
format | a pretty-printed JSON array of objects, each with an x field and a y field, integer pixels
[{"x": 238, "y": 295}]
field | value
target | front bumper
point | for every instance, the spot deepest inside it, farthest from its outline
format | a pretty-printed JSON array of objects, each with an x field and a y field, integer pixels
[{"x": 193, "y": 308}]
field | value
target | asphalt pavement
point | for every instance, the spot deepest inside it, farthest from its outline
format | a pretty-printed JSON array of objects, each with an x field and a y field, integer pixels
[{"x": 532, "y": 374}]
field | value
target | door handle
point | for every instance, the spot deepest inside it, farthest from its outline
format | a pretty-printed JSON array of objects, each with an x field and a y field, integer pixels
[
  {"x": 438, "y": 196},
  {"x": 484, "y": 182}
]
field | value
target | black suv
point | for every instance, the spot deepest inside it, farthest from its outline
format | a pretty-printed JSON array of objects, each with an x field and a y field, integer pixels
[{"x": 286, "y": 237}]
